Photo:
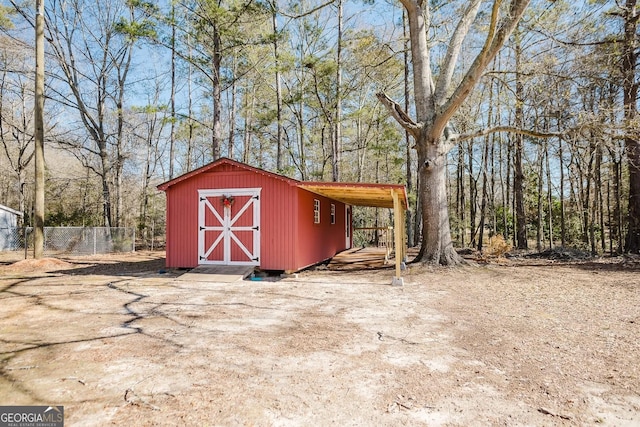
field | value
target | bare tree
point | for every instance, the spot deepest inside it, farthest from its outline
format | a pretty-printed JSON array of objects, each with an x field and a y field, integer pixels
[
  {"x": 92, "y": 46},
  {"x": 630, "y": 15},
  {"x": 278, "y": 84},
  {"x": 336, "y": 134},
  {"x": 436, "y": 101},
  {"x": 518, "y": 173},
  {"x": 148, "y": 132},
  {"x": 16, "y": 112}
]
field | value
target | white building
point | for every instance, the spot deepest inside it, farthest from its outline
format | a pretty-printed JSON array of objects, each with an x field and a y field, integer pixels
[{"x": 8, "y": 228}]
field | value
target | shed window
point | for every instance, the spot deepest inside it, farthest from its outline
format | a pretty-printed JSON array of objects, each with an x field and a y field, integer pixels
[
  {"x": 316, "y": 211},
  {"x": 333, "y": 213}
]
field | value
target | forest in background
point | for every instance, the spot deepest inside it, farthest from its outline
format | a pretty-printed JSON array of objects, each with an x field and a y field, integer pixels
[{"x": 141, "y": 92}]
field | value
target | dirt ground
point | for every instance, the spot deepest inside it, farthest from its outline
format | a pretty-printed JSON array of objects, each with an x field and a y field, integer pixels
[{"x": 119, "y": 340}]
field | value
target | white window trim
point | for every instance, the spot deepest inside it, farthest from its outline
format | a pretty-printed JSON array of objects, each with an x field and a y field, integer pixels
[{"x": 316, "y": 211}]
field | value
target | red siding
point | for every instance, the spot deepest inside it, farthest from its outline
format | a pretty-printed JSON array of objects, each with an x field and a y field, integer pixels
[
  {"x": 318, "y": 242},
  {"x": 289, "y": 239},
  {"x": 277, "y": 231}
]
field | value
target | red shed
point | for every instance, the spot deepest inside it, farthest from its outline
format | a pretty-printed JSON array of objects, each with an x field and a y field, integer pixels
[{"x": 231, "y": 213}]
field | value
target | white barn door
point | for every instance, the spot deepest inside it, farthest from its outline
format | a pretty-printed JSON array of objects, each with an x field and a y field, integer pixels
[{"x": 229, "y": 226}]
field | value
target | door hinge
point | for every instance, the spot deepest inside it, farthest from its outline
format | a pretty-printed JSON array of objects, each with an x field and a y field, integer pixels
[{"x": 257, "y": 228}]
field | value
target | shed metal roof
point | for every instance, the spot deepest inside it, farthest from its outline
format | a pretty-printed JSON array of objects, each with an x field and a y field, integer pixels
[
  {"x": 352, "y": 193},
  {"x": 11, "y": 211},
  {"x": 224, "y": 161}
]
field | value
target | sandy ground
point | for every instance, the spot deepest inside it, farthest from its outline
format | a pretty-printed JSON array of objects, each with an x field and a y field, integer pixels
[{"x": 120, "y": 341}]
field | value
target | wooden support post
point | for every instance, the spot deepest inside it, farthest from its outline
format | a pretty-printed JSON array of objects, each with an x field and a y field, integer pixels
[
  {"x": 403, "y": 236},
  {"x": 398, "y": 227}
]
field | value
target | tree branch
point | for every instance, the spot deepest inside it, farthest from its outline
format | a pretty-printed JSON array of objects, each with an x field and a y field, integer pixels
[
  {"x": 419, "y": 17},
  {"x": 453, "y": 50},
  {"x": 499, "y": 31},
  {"x": 511, "y": 129},
  {"x": 400, "y": 115},
  {"x": 303, "y": 14}
]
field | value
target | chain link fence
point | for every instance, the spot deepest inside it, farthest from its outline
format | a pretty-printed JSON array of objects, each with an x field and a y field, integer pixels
[{"x": 71, "y": 240}]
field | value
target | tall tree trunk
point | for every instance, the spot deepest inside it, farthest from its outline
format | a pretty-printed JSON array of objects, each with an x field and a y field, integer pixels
[
  {"x": 362, "y": 150},
  {"x": 123, "y": 72},
  {"x": 563, "y": 226},
  {"x": 510, "y": 201},
  {"x": 586, "y": 192},
  {"x": 462, "y": 229},
  {"x": 216, "y": 127},
  {"x": 483, "y": 202},
  {"x": 249, "y": 100},
  {"x": 615, "y": 223},
  {"x": 518, "y": 173},
  {"x": 146, "y": 179},
  {"x": 617, "y": 164},
  {"x": 302, "y": 155},
  {"x": 417, "y": 218},
  {"x": 407, "y": 137},
  {"x": 632, "y": 145},
  {"x": 485, "y": 167},
  {"x": 504, "y": 190},
  {"x": 336, "y": 145},
  {"x": 473, "y": 196},
  {"x": 540, "y": 222},
  {"x": 190, "y": 122},
  {"x": 610, "y": 216},
  {"x": 594, "y": 205},
  {"x": 549, "y": 195},
  {"x": 172, "y": 101},
  {"x": 233, "y": 111},
  {"x": 38, "y": 112},
  {"x": 437, "y": 246},
  {"x": 492, "y": 188},
  {"x": 278, "y": 79},
  {"x": 599, "y": 198}
]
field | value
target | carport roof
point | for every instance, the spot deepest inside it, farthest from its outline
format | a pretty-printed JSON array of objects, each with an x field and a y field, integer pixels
[{"x": 360, "y": 194}]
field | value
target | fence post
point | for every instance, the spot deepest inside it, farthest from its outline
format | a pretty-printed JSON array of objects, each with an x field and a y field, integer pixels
[{"x": 26, "y": 240}]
